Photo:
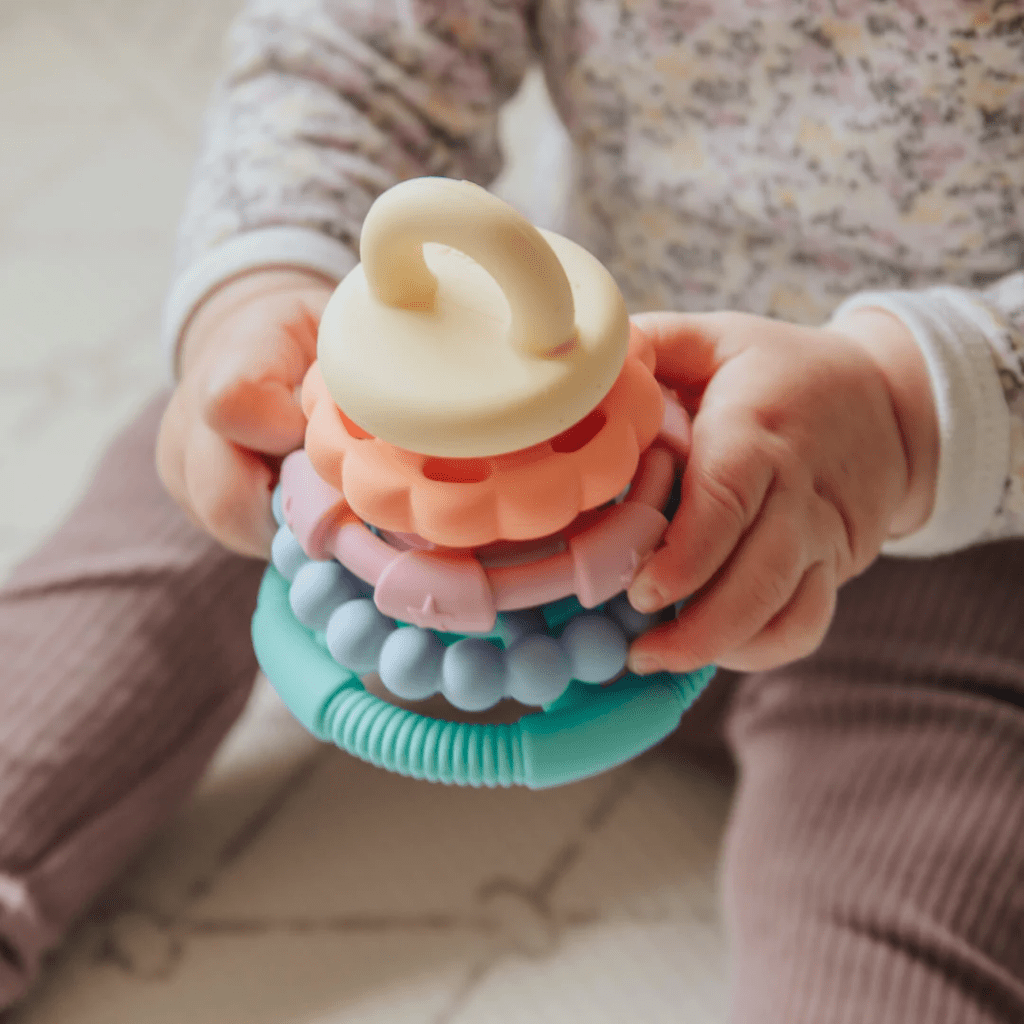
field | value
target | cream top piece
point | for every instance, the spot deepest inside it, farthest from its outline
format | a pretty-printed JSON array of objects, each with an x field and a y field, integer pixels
[{"x": 466, "y": 332}]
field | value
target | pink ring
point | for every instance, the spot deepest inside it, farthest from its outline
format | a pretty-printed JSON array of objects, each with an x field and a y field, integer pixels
[{"x": 461, "y": 591}]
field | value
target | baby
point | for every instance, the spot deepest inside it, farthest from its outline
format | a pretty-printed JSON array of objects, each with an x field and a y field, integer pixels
[{"x": 850, "y": 179}]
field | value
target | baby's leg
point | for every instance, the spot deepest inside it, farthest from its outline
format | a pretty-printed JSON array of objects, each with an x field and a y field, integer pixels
[
  {"x": 875, "y": 861},
  {"x": 125, "y": 657}
]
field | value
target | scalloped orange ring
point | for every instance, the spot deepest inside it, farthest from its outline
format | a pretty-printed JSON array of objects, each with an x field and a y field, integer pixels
[{"x": 467, "y": 503}]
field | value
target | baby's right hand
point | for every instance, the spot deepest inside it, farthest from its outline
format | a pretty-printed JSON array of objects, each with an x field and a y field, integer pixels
[{"x": 235, "y": 412}]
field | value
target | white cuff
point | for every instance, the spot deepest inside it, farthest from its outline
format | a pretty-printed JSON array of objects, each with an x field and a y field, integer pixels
[
  {"x": 267, "y": 248},
  {"x": 951, "y": 327}
]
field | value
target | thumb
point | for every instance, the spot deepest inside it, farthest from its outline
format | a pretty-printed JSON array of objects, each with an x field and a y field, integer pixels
[{"x": 686, "y": 346}]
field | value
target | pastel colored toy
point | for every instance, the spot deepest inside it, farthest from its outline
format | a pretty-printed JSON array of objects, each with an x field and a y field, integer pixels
[{"x": 489, "y": 457}]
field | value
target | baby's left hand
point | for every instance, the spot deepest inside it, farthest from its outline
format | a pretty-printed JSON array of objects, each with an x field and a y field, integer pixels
[{"x": 810, "y": 447}]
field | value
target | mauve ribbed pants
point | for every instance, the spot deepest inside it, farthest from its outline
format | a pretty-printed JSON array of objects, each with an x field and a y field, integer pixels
[{"x": 874, "y": 863}]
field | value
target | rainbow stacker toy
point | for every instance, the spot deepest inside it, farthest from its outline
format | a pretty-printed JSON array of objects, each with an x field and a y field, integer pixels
[{"x": 489, "y": 456}]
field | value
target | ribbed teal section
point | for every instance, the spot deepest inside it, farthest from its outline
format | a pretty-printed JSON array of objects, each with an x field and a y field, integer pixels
[
  {"x": 588, "y": 730},
  {"x": 691, "y": 685},
  {"x": 466, "y": 754}
]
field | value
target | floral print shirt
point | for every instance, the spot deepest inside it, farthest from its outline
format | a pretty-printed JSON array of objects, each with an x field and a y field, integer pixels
[{"x": 776, "y": 156}]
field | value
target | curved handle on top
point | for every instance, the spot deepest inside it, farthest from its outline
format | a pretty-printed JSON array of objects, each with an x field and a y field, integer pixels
[{"x": 468, "y": 218}]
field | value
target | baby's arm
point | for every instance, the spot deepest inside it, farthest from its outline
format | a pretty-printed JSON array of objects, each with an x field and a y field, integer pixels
[
  {"x": 973, "y": 344},
  {"x": 323, "y": 106}
]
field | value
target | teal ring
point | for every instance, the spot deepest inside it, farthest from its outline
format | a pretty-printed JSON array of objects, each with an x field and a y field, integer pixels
[{"x": 588, "y": 730}]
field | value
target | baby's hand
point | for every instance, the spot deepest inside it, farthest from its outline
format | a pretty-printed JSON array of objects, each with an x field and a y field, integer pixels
[
  {"x": 810, "y": 447},
  {"x": 235, "y": 411}
]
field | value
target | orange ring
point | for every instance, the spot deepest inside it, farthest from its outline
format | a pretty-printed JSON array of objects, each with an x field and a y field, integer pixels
[{"x": 523, "y": 495}]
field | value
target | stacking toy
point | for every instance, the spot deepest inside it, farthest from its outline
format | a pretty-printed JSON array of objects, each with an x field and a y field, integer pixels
[{"x": 489, "y": 457}]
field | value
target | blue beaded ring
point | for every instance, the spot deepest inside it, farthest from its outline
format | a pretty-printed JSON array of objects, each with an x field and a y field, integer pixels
[{"x": 316, "y": 630}]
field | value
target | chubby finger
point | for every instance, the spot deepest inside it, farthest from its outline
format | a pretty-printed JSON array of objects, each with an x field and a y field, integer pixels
[
  {"x": 229, "y": 488},
  {"x": 757, "y": 582},
  {"x": 252, "y": 382},
  {"x": 262, "y": 415},
  {"x": 796, "y": 631},
  {"x": 726, "y": 482}
]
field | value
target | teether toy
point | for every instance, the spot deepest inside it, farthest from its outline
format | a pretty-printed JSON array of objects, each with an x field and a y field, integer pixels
[{"x": 489, "y": 456}]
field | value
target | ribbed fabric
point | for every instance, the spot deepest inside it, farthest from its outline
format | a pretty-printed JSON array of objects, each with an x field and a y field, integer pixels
[
  {"x": 126, "y": 657},
  {"x": 875, "y": 859}
]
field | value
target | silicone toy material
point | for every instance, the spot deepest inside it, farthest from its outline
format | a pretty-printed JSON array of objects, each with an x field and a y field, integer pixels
[
  {"x": 589, "y": 730},
  {"x": 529, "y": 656},
  {"x": 441, "y": 389},
  {"x": 488, "y": 458},
  {"x": 594, "y": 558}
]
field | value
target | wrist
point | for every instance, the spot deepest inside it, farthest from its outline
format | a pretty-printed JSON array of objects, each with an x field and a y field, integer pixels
[
  {"x": 892, "y": 348},
  {"x": 237, "y": 292}
]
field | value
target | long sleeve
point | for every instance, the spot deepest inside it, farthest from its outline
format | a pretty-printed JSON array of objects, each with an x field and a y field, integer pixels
[
  {"x": 973, "y": 345},
  {"x": 325, "y": 104}
]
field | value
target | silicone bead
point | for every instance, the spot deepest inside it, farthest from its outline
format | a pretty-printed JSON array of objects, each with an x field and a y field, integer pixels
[
  {"x": 537, "y": 670},
  {"x": 473, "y": 674},
  {"x": 276, "y": 506},
  {"x": 534, "y": 668},
  {"x": 356, "y": 633},
  {"x": 410, "y": 663},
  {"x": 596, "y": 646},
  {"x": 286, "y": 553},
  {"x": 633, "y": 622},
  {"x": 318, "y": 588},
  {"x": 513, "y": 626}
]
